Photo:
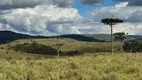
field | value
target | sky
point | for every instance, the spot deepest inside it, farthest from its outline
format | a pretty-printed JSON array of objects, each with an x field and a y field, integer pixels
[
  {"x": 84, "y": 9},
  {"x": 58, "y": 17}
]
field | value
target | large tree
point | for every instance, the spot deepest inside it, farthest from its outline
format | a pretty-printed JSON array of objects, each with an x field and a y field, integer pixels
[
  {"x": 120, "y": 36},
  {"x": 111, "y": 22}
]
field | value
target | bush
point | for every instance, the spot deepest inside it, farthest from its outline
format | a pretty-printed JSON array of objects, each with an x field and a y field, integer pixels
[
  {"x": 133, "y": 46},
  {"x": 73, "y": 53},
  {"x": 2, "y": 47},
  {"x": 34, "y": 48}
]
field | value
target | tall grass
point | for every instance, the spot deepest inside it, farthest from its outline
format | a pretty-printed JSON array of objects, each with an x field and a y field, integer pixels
[{"x": 85, "y": 67}]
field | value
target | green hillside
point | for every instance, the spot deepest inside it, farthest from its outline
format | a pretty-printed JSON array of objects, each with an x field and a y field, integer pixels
[
  {"x": 104, "y": 37},
  {"x": 107, "y": 37},
  {"x": 69, "y": 45}
]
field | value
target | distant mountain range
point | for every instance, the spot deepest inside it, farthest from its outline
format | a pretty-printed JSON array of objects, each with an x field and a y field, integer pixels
[
  {"x": 107, "y": 37},
  {"x": 8, "y": 36}
]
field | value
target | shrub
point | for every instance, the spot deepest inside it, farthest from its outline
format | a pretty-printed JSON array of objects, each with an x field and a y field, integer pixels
[
  {"x": 133, "y": 46},
  {"x": 6, "y": 52},
  {"x": 73, "y": 53},
  {"x": 34, "y": 48},
  {"x": 2, "y": 47}
]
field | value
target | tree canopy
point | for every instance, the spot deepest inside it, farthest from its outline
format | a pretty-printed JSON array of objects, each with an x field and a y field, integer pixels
[
  {"x": 120, "y": 36},
  {"x": 111, "y": 21}
]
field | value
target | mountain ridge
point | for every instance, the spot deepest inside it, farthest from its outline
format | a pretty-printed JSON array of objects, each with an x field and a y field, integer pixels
[{"x": 9, "y": 36}]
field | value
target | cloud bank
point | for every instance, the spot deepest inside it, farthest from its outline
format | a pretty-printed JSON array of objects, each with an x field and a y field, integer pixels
[
  {"x": 40, "y": 19},
  {"x": 10, "y": 4},
  {"x": 128, "y": 14}
]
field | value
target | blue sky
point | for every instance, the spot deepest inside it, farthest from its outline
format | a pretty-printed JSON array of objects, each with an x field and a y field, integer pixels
[{"x": 84, "y": 9}]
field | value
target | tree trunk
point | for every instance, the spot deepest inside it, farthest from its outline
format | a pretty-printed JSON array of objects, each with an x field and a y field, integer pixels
[
  {"x": 58, "y": 51},
  {"x": 122, "y": 46},
  {"x": 111, "y": 39}
]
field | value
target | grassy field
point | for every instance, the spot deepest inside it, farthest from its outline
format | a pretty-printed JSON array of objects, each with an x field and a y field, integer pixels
[
  {"x": 85, "y": 67},
  {"x": 89, "y": 66},
  {"x": 69, "y": 45}
]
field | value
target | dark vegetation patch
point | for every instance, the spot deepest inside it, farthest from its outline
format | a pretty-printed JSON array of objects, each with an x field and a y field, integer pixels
[
  {"x": 73, "y": 53},
  {"x": 133, "y": 46},
  {"x": 34, "y": 48}
]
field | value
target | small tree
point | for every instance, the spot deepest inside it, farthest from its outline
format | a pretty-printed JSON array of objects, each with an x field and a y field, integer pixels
[
  {"x": 120, "y": 36},
  {"x": 58, "y": 46},
  {"x": 111, "y": 22}
]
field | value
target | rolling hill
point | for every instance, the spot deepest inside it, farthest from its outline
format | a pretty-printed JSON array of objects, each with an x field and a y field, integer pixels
[
  {"x": 107, "y": 37},
  {"x": 9, "y": 36}
]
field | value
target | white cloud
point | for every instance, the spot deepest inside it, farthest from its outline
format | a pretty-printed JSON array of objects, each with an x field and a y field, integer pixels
[
  {"x": 10, "y": 4},
  {"x": 131, "y": 2},
  {"x": 36, "y": 20},
  {"x": 122, "y": 4},
  {"x": 63, "y": 29},
  {"x": 130, "y": 15},
  {"x": 5, "y": 27},
  {"x": 131, "y": 28},
  {"x": 97, "y": 2}
]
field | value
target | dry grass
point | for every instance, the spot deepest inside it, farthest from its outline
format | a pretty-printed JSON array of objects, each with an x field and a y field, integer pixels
[
  {"x": 99, "y": 66},
  {"x": 86, "y": 67},
  {"x": 71, "y": 44}
]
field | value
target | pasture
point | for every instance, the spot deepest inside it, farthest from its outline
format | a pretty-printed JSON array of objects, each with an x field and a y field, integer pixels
[{"x": 91, "y": 65}]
